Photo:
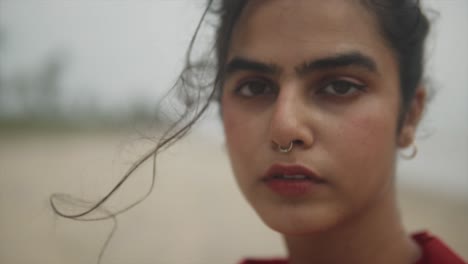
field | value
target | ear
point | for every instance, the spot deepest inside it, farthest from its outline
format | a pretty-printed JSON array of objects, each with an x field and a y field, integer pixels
[{"x": 412, "y": 118}]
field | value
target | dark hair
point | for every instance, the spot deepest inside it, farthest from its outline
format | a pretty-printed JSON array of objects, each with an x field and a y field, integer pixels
[
  {"x": 401, "y": 22},
  {"x": 405, "y": 27}
]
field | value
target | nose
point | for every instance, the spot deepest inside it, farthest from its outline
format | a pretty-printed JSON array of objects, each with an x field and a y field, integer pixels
[{"x": 290, "y": 123}]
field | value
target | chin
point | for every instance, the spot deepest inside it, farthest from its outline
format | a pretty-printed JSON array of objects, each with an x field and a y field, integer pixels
[{"x": 296, "y": 220}]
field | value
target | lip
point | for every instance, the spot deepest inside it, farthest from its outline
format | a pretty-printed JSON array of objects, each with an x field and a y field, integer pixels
[
  {"x": 276, "y": 169},
  {"x": 292, "y": 187}
]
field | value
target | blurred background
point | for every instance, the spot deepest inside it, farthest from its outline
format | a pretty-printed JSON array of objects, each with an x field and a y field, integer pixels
[{"x": 80, "y": 82}]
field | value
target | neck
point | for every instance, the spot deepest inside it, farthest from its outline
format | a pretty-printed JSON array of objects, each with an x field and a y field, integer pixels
[{"x": 376, "y": 235}]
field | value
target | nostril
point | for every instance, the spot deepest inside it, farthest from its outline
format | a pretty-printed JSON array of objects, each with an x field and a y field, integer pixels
[{"x": 298, "y": 142}]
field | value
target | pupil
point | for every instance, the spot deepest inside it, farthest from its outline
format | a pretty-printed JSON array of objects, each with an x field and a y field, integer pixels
[
  {"x": 257, "y": 87},
  {"x": 341, "y": 87}
]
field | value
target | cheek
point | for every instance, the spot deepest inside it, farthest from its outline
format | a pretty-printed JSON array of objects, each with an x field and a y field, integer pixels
[
  {"x": 245, "y": 129},
  {"x": 234, "y": 126},
  {"x": 242, "y": 139},
  {"x": 370, "y": 135},
  {"x": 366, "y": 153},
  {"x": 231, "y": 125},
  {"x": 368, "y": 130},
  {"x": 241, "y": 130}
]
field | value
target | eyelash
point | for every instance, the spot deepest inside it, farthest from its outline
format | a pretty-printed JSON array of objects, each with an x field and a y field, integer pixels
[
  {"x": 267, "y": 85},
  {"x": 350, "y": 85}
]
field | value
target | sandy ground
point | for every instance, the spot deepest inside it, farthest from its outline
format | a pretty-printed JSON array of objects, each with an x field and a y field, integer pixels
[{"x": 195, "y": 214}]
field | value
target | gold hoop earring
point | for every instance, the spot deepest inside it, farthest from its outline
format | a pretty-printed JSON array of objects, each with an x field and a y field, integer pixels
[{"x": 411, "y": 155}]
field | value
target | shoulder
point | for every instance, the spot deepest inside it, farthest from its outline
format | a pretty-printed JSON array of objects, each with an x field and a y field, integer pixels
[{"x": 434, "y": 251}]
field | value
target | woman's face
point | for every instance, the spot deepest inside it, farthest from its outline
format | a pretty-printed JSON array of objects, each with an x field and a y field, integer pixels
[{"x": 317, "y": 73}]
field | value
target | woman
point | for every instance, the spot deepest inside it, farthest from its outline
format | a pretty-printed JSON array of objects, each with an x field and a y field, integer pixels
[{"x": 317, "y": 98}]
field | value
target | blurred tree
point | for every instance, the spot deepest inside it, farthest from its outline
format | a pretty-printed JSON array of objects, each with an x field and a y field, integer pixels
[
  {"x": 2, "y": 82},
  {"x": 48, "y": 87},
  {"x": 33, "y": 97}
]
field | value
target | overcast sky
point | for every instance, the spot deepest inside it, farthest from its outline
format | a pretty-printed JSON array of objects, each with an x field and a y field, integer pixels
[{"x": 115, "y": 49}]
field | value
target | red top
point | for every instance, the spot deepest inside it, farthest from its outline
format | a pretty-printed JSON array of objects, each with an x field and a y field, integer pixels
[{"x": 434, "y": 251}]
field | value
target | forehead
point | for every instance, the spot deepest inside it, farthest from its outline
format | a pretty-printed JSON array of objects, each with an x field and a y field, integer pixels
[{"x": 284, "y": 31}]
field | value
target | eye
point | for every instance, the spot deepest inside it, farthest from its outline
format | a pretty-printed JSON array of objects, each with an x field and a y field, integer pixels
[
  {"x": 342, "y": 88},
  {"x": 254, "y": 87}
]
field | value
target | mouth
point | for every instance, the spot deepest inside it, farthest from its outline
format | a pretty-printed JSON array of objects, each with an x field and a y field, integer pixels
[
  {"x": 291, "y": 173},
  {"x": 293, "y": 177},
  {"x": 291, "y": 180}
]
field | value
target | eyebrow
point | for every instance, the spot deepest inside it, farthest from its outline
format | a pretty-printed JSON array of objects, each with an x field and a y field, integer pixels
[
  {"x": 244, "y": 64},
  {"x": 353, "y": 58}
]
